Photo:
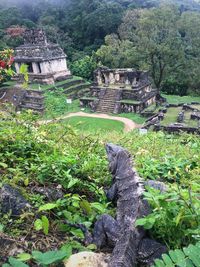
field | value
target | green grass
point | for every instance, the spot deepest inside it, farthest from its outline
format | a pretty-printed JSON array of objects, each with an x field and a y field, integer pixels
[
  {"x": 55, "y": 106},
  {"x": 47, "y": 86},
  {"x": 188, "y": 121},
  {"x": 196, "y": 106},
  {"x": 95, "y": 125},
  {"x": 175, "y": 99},
  {"x": 172, "y": 115},
  {"x": 137, "y": 118}
]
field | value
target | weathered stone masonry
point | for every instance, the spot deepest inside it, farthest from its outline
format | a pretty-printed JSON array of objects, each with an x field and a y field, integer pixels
[
  {"x": 46, "y": 62},
  {"x": 120, "y": 90}
]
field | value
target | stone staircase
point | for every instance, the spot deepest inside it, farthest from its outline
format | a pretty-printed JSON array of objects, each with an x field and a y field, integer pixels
[
  {"x": 107, "y": 101},
  {"x": 32, "y": 99}
]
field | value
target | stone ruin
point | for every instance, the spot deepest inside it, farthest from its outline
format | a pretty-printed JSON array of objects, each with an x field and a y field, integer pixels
[
  {"x": 120, "y": 90},
  {"x": 180, "y": 125},
  {"x": 46, "y": 61}
]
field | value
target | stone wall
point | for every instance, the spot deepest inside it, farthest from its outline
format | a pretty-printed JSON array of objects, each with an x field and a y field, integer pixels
[
  {"x": 89, "y": 103},
  {"x": 138, "y": 94},
  {"x": 177, "y": 129}
]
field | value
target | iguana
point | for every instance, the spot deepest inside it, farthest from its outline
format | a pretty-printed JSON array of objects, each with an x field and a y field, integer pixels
[{"x": 131, "y": 246}]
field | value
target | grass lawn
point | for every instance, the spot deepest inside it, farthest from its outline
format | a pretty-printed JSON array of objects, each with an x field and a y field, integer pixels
[
  {"x": 175, "y": 99},
  {"x": 172, "y": 115},
  {"x": 137, "y": 118},
  {"x": 94, "y": 125}
]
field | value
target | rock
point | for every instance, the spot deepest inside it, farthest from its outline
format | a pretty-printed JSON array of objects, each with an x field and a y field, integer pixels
[
  {"x": 156, "y": 185},
  {"x": 12, "y": 200},
  {"x": 51, "y": 193},
  {"x": 87, "y": 259}
]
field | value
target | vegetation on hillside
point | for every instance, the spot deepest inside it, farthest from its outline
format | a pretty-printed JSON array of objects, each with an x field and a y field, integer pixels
[{"x": 58, "y": 156}]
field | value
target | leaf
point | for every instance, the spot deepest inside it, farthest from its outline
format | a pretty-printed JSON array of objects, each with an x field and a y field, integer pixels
[
  {"x": 173, "y": 255},
  {"x": 45, "y": 225},
  {"x": 26, "y": 182},
  {"x": 159, "y": 263},
  {"x": 49, "y": 257},
  {"x": 4, "y": 165},
  {"x": 98, "y": 206},
  {"x": 85, "y": 205},
  {"x": 77, "y": 233},
  {"x": 67, "y": 248},
  {"x": 167, "y": 260},
  {"x": 24, "y": 256},
  {"x": 38, "y": 225},
  {"x": 72, "y": 182},
  {"x": 140, "y": 222},
  {"x": 17, "y": 263},
  {"x": 181, "y": 258},
  {"x": 6, "y": 265},
  {"x": 193, "y": 253},
  {"x": 179, "y": 217},
  {"x": 92, "y": 247},
  {"x": 48, "y": 206}
]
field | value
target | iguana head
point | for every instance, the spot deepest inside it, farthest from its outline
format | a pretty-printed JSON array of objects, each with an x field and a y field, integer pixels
[{"x": 112, "y": 151}]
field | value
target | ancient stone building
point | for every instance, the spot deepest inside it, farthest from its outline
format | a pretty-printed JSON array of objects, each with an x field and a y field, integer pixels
[
  {"x": 120, "y": 90},
  {"x": 46, "y": 61}
]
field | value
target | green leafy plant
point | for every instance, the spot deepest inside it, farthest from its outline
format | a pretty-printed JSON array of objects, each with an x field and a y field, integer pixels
[
  {"x": 42, "y": 224},
  {"x": 24, "y": 72},
  {"x": 175, "y": 217},
  {"x": 43, "y": 259},
  {"x": 187, "y": 257}
]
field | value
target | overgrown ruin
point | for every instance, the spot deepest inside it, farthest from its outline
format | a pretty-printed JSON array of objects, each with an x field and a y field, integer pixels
[
  {"x": 46, "y": 61},
  {"x": 120, "y": 90},
  {"x": 176, "y": 118}
]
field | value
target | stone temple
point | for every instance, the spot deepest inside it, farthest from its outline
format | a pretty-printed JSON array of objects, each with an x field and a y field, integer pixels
[
  {"x": 46, "y": 61},
  {"x": 120, "y": 90}
]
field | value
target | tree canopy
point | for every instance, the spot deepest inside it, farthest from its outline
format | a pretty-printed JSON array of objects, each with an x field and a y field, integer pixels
[{"x": 157, "y": 35}]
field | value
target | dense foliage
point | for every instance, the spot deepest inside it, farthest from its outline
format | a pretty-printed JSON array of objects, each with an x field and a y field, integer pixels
[{"x": 58, "y": 156}]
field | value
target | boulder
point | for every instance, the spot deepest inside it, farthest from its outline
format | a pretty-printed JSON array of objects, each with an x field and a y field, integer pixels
[
  {"x": 12, "y": 201},
  {"x": 87, "y": 259}
]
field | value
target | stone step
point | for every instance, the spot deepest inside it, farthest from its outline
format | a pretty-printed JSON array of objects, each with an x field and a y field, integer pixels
[
  {"x": 107, "y": 101},
  {"x": 76, "y": 88},
  {"x": 39, "y": 108},
  {"x": 102, "y": 106},
  {"x": 107, "y": 106},
  {"x": 34, "y": 103},
  {"x": 67, "y": 84},
  {"x": 29, "y": 97},
  {"x": 30, "y": 104}
]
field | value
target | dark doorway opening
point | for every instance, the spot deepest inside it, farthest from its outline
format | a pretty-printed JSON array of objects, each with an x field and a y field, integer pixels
[
  {"x": 30, "y": 67},
  {"x": 39, "y": 67}
]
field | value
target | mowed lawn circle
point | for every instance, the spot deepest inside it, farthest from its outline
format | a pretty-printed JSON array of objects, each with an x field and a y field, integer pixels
[{"x": 95, "y": 124}]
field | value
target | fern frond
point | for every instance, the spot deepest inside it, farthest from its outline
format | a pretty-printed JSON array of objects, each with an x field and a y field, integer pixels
[{"x": 187, "y": 257}]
